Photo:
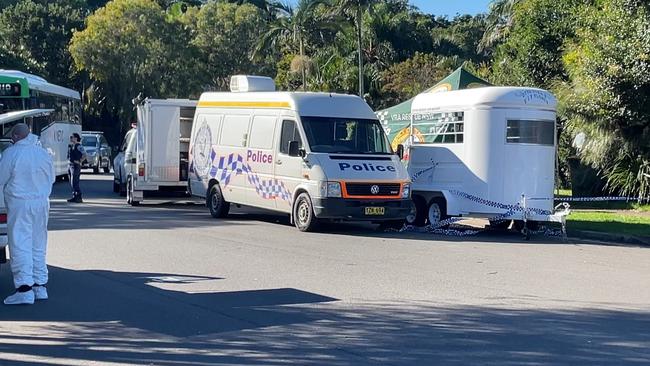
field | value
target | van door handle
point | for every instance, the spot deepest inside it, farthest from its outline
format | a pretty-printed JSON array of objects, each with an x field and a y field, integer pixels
[{"x": 279, "y": 162}]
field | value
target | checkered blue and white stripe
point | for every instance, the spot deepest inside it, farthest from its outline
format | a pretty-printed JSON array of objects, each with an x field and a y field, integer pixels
[{"x": 234, "y": 165}]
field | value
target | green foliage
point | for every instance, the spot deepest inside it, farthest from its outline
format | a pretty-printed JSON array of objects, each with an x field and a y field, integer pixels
[
  {"x": 293, "y": 31},
  {"x": 460, "y": 37},
  {"x": 34, "y": 36},
  {"x": 532, "y": 53},
  {"x": 608, "y": 95},
  {"x": 224, "y": 35},
  {"x": 130, "y": 47},
  {"x": 406, "y": 79}
]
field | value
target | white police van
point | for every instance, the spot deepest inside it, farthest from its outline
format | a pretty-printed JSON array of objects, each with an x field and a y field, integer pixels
[{"x": 315, "y": 156}]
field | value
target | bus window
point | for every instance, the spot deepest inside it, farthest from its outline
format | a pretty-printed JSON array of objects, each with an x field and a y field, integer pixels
[{"x": 9, "y": 104}]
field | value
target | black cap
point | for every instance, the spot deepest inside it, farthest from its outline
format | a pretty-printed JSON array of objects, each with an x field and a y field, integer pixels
[{"x": 76, "y": 135}]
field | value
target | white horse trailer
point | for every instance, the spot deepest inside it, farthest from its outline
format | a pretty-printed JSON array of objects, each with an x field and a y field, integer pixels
[{"x": 486, "y": 152}]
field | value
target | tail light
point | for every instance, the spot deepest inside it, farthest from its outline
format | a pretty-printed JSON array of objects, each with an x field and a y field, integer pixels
[
  {"x": 3, "y": 218},
  {"x": 141, "y": 170}
]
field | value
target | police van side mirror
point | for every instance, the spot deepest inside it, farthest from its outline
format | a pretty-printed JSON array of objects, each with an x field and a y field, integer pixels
[
  {"x": 400, "y": 151},
  {"x": 295, "y": 150}
]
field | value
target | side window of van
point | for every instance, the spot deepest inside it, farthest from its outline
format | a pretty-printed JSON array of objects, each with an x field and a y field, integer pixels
[
  {"x": 234, "y": 131},
  {"x": 289, "y": 133},
  {"x": 262, "y": 132}
]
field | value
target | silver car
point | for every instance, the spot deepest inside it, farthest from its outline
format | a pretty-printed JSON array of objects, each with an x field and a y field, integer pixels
[{"x": 98, "y": 153}]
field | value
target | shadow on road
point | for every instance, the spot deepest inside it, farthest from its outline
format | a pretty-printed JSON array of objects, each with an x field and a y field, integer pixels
[
  {"x": 135, "y": 301},
  {"x": 93, "y": 319}
]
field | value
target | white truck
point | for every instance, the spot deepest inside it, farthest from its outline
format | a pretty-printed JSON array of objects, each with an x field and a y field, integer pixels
[
  {"x": 314, "y": 156},
  {"x": 488, "y": 152},
  {"x": 159, "y": 159}
]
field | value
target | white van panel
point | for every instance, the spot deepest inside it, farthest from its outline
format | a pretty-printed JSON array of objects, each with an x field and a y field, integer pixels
[
  {"x": 235, "y": 130},
  {"x": 262, "y": 132},
  {"x": 163, "y": 163}
]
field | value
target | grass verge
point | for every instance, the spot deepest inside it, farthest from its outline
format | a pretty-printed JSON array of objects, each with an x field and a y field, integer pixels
[{"x": 610, "y": 222}]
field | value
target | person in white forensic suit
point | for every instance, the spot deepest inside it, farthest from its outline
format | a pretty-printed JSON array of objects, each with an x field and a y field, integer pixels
[{"x": 27, "y": 174}]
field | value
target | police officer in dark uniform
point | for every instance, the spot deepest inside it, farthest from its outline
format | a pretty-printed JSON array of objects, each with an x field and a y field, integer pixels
[{"x": 76, "y": 154}]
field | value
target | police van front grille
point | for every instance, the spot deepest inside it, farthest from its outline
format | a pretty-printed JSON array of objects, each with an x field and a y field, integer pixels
[{"x": 365, "y": 189}]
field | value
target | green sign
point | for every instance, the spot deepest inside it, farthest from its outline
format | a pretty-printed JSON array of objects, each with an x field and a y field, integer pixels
[
  {"x": 13, "y": 87},
  {"x": 10, "y": 90}
]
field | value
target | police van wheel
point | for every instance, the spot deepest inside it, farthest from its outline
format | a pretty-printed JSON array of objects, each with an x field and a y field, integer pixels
[
  {"x": 417, "y": 216},
  {"x": 303, "y": 214},
  {"x": 437, "y": 211},
  {"x": 216, "y": 203}
]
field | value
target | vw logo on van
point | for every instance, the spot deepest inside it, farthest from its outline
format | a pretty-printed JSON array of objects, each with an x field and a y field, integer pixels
[{"x": 374, "y": 189}]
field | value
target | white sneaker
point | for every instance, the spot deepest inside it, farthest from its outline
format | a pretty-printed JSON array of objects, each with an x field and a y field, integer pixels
[
  {"x": 20, "y": 298},
  {"x": 40, "y": 292}
]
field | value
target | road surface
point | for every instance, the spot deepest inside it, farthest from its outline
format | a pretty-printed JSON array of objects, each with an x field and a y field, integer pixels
[{"x": 165, "y": 284}]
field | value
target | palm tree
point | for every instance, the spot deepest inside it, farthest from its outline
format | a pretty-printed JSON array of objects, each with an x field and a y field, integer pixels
[
  {"x": 353, "y": 10},
  {"x": 269, "y": 7},
  {"x": 293, "y": 27},
  {"x": 499, "y": 21}
]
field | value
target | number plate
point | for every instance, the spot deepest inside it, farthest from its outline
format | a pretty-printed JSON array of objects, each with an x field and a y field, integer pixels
[{"x": 377, "y": 211}]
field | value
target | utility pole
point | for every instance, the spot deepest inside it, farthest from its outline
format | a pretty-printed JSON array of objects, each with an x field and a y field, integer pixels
[{"x": 360, "y": 48}]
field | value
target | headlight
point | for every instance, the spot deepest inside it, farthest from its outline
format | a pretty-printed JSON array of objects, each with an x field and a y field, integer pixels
[
  {"x": 333, "y": 189},
  {"x": 330, "y": 189},
  {"x": 406, "y": 190}
]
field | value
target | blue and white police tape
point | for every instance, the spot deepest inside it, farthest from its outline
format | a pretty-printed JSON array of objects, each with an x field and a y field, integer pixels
[
  {"x": 602, "y": 199},
  {"x": 417, "y": 175},
  {"x": 515, "y": 208}
]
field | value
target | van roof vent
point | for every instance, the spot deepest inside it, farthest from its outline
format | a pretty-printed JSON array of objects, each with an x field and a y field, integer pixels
[{"x": 249, "y": 83}]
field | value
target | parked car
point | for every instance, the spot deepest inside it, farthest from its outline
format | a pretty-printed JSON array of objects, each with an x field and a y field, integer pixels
[
  {"x": 125, "y": 155},
  {"x": 98, "y": 151}
]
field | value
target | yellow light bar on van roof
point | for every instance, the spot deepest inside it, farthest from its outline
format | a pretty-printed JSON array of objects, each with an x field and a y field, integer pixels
[{"x": 233, "y": 104}]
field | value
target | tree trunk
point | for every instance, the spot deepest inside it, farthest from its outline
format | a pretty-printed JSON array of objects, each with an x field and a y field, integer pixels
[
  {"x": 302, "y": 66},
  {"x": 360, "y": 49}
]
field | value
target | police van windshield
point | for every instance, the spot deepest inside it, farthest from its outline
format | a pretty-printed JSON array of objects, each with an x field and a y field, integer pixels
[{"x": 345, "y": 135}]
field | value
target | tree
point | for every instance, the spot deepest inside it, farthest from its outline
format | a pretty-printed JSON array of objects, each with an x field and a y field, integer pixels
[
  {"x": 499, "y": 21},
  {"x": 131, "y": 47},
  {"x": 294, "y": 27},
  {"x": 406, "y": 79},
  {"x": 353, "y": 10},
  {"x": 608, "y": 95},
  {"x": 461, "y": 37},
  {"x": 224, "y": 36},
  {"x": 532, "y": 54},
  {"x": 35, "y": 35}
]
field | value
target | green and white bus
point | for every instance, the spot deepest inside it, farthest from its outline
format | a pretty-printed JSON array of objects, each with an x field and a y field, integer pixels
[{"x": 52, "y": 112}]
